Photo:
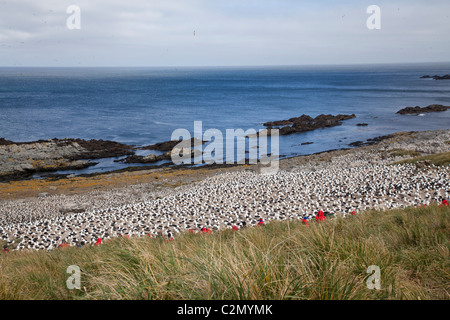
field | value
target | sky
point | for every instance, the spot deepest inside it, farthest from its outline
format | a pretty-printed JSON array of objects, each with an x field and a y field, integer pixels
[{"x": 221, "y": 32}]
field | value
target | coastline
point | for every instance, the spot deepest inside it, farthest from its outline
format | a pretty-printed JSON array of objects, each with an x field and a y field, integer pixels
[
  {"x": 43, "y": 214},
  {"x": 52, "y": 155},
  {"x": 174, "y": 175}
]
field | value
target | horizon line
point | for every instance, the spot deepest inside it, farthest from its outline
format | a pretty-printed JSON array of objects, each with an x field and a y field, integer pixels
[{"x": 229, "y": 66}]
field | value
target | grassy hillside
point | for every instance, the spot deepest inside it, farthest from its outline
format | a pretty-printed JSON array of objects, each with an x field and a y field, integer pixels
[{"x": 281, "y": 260}]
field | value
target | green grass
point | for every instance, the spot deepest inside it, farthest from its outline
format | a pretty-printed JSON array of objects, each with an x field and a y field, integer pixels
[
  {"x": 282, "y": 260},
  {"x": 438, "y": 159},
  {"x": 402, "y": 153}
]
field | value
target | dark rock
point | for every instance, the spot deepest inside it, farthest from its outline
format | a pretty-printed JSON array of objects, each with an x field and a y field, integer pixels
[
  {"x": 97, "y": 149},
  {"x": 371, "y": 141},
  {"x": 356, "y": 144},
  {"x": 306, "y": 123},
  {"x": 445, "y": 77},
  {"x": 417, "y": 109},
  {"x": 278, "y": 123},
  {"x": 362, "y": 124},
  {"x": 162, "y": 146},
  {"x": 90, "y": 149},
  {"x": 436, "y": 77},
  {"x": 305, "y": 143},
  {"x": 169, "y": 145},
  {"x": 4, "y": 142},
  {"x": 151, "y": 158},
  {"x": 287, "y": 130}
]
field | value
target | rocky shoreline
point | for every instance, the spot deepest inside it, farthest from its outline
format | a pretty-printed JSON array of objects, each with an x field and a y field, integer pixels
[
  {"x": 20, "y": 160},
  {"x": 23, "y": 173},
  {"x": 338, "y": 182}
]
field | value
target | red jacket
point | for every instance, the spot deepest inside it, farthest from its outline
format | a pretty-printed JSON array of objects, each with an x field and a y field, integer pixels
[{"x": 320, "y": 216}]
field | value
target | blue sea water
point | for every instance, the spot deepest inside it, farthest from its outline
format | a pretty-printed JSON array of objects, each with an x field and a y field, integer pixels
[{"x": 142, "y": 106}]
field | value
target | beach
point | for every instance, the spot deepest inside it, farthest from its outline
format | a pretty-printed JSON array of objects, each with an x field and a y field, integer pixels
[{"x": 43, "y": 214}]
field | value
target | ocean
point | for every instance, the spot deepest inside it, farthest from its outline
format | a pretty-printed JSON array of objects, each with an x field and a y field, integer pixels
[{"x": 142, "y": 106}]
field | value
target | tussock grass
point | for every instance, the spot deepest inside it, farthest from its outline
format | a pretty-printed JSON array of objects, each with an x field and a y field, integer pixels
[
  {"x": 281, "y": 260},
  {"x": 438, "y": 159},
  {"x": 403, "y": 152}
]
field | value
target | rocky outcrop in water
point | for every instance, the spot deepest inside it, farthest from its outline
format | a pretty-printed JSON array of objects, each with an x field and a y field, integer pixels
[
  {"x": 436, "y": 77},
  {"x": 307, "y": 123},
  {"x": 418, "y": 110}
]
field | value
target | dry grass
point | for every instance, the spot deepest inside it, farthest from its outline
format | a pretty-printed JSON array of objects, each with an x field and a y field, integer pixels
[
  {"x": 282, "y": 260},
  {"x": 438, "y": 159},
  {"x": 403, "y": 153}
]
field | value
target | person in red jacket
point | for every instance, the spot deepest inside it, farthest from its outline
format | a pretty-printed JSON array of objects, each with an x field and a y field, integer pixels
[
  {"x": 320, "y": 216},
  {"x": 305, "y": 221},
  {"x": 206, "y": 230}
]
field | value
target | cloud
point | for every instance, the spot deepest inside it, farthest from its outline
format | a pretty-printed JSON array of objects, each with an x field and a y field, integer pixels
[{"x": 227, "y": 32}]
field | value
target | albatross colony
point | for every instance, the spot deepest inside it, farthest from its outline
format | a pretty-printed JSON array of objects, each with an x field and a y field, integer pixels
[{"x": 358, "y": 180}]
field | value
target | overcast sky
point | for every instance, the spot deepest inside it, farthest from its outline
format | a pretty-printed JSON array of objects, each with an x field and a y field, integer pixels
[{"x": 221, "y": 32}]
